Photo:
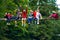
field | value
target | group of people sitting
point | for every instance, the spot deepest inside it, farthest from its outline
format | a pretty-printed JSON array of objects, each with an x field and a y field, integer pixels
[{"x": 24, "y": 16}]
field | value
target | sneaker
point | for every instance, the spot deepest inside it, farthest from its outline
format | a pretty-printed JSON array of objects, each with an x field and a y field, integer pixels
[
  {"x": 16, "y": 25},
  {"x": 22, "y": 25},
  {"x": 37, "y": 23},
  {"x": 8, "y": 23}
]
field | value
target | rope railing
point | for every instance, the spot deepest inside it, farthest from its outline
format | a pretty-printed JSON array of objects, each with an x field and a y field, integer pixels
[{"x": 40, "y": 19}]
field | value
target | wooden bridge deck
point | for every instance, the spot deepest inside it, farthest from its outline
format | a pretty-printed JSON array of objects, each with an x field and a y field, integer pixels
[{"x": 40, "y": 19}]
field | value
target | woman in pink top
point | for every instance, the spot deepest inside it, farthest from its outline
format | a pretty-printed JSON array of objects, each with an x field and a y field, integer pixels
[{"x": 54, "y": 15}]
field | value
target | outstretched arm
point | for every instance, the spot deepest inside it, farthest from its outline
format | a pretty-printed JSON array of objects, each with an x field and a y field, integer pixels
[
  {"x": 38, "y": 7},
  {"x": 40, "y": 16},
  {"x": 26, "y": 9},
  {"x": 21, "y": 8},
  {"x": 50, "y": 16}
]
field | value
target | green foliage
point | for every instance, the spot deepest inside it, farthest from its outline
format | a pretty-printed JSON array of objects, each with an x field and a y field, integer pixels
[{"x": 46, "y": 30}]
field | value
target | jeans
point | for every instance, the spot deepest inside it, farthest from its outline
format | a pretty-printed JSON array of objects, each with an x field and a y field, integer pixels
[{"x": 30, "y": 20}]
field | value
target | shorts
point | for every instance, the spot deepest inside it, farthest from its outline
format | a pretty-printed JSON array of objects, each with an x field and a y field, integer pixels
[{"x": 23, "y": 18}]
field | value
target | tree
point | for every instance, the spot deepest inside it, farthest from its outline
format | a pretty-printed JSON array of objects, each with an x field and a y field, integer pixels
[{"x": 47, "y": 29}]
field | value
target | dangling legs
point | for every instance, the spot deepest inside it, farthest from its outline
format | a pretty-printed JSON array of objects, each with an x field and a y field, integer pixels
[
  {"x": 28, "y": 20},
  {"x": 22, "y": 22},
  {"x": 8, "y": 21},
  {"x": 15, "y": 23},
  {"x": 37, "y": 21}
]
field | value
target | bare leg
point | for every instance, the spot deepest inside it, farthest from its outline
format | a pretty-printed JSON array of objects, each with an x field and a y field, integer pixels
[
  {"x": 15, "y": 23},
  {"x": 37, "y": 21},
  {"x": 22, "y": 22}
]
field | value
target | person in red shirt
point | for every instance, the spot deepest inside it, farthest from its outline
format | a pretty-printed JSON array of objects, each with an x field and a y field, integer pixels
[
  {"x": 34, "y": 16},
  {"x": 54, "y": 15},
  {"x": 24, "y": 16}
]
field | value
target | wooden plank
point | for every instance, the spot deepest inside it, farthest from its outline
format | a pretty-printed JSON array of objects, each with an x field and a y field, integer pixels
[{"x": 3, "y": 19}]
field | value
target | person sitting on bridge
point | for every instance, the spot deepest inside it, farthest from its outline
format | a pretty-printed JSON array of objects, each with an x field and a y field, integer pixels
[
  {"x": 8, "y": 16},
  {"x": 24, "y": 16},
  {"x": 18, "y": 14},
  {"x": 38, "y": 16},
  {"x": 34, "y": 16},
  {"x": 54, "y": 15},
  {"x": 30, "y": 17}
]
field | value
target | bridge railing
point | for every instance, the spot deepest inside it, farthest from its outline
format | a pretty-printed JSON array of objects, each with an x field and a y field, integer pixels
[{"x": 40, "y": 19}]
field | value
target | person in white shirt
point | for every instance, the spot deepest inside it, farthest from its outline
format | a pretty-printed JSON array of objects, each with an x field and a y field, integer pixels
[{"x": 38, "y": 16}]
